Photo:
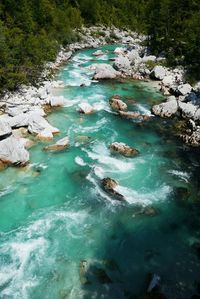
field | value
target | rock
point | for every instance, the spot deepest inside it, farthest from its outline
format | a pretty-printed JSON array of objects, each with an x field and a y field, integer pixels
[
  {"x": 133, "y": 56},
  {"x": 86, "y": 108},
  {"x": 149, "y": 58},
  {"x": 120, "y": 51},
  {"x": 154, "y": 283},
  {"x": 122, "y": 64},
  {"x": 98, "y": 53},
  {"x": 5, "y": 129},
  {"x": 109, "y": 186},
  {"x": 188, "y": 110},
  {"x": 133, "y": 115},
  {"x": 60, "y": 145},
  {"x": 168, "y": 81},
  {"x": 197, "y": 115},
  {"x": 117, "y": 104},
  {"x": 104, "y": 71},
  {"x": 102, "y": 276},
  {"x": 12, "y": 151},
  {"x": 184, "y": 89},
  {"x": 166, "y": 109},
  {"x": 123, "y": 149},
  {"x": 83, "y": 272},
  {"x": 171, "y": 98},
  {"x": 192, "y": 139},
  {"x": 158, "y": 73},
  {"x": 58, "y": 101},
  {"x": 45, "y": 135},
  {"x": 37, "y": 124}
]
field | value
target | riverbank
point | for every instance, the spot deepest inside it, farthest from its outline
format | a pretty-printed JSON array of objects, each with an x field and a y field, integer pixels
[{"x": 23, "y": 120}]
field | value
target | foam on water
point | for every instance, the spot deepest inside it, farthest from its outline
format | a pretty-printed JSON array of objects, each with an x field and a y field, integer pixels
[
  {"x": 183, "y": 175},
  {"x": 80, "y": 161}
]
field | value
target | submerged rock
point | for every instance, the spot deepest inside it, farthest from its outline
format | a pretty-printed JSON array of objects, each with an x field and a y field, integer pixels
[
  {"x": 98, "y": 53},
  {"x": 123, "y": 149},
  {"x": 60, "y": 145},
  {"x": 83, "y": 272},
  {"x": 117, "y": 104},
  {"x": 13, "y": 151},
  {"x": 109, "y": 186},
  {"x": 133, "y": 115}
]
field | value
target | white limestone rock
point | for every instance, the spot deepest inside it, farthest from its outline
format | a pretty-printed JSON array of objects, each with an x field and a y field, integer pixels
[
  {"x": 158, "y": 72},
  {"x": 166, "y": 109},
  {"x": 184, "y": 89},
  {"x": 104, "y": 71},
  {"x": 12, "y": 151},
  {"x": 5, "y": 129}
]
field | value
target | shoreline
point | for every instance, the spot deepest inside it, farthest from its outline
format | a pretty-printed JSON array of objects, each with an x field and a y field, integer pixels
[{"x": 23, "y": 112}]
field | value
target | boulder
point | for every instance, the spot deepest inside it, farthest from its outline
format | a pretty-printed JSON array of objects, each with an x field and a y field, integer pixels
[
  {"x": 117, "y": 104},
  {"x": 123, "y": 149},
  {"x": 86, "y": 108},
  {"x": 133, "y": 56},
  {"x": 192, "y": 139},
  {"x": 122, "y": 64},
  {"x": 98, "y": 53},
  {"x": 168, "y": 80},
  {"x": 133, "y": 115},
  {"x": 149, "y": 58},
  {"x": 184, "y": 89},
  {"x": 197, "y": 115},
  {"x": 45, "y": 135},
  {"x": 166, "y": 109},
  {"x": 109, "y": 186},
  {"x": 104, "y": 71},
  {"x": 57, "y": 101},
  {"x": 188, "y": 110},
  {"x": 120, "y": 51},
  {"x": 60, "y": 145},
  {"x": 37, "y": 124},
  {"x": 5, "y": 129},
  {"x": 158, "y": 73},
  {"x": 12, "y": 151}
]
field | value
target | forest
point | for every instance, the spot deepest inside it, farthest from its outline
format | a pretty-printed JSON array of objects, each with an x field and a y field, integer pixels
[{"x": 32, "y": 31}]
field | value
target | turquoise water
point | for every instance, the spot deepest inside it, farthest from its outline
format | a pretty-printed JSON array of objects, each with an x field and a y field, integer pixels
[{"x": 54, "y": 214}]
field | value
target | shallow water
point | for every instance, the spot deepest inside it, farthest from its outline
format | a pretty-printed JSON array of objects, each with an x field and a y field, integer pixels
[{"x": 54, "y": 214}]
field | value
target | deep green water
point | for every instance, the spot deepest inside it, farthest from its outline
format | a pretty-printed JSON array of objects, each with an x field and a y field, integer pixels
[{"x": 54, "y": 214}]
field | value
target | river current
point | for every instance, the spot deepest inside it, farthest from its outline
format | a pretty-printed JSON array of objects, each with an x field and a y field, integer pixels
[{"x": 62, "y": 236}]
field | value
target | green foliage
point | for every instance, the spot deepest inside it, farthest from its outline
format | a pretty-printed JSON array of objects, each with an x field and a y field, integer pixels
[{"x": 31, "y": 31}]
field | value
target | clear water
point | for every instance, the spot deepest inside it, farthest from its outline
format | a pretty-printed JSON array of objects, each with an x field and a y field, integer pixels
[{"x": 55, "y": 215}]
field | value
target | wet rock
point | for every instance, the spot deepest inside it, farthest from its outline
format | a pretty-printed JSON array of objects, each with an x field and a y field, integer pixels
[
  {"x": 104, "y": 71},
  {"x": 86, "y": 108},
  {"x": 192, "y": 138},
  {"x": 109, "y": 186},
  {"x": 117, "y": 104},
  {"x": 98, "y": 53},
  {"x": 83, "y": 272},
  {"x": 166, "y": 109},
  {"x": 60, "y": 145},
  {"x": 154, "y": 283},
  {"x": 57, "y": 101},
  {"x": 13, "y": 151},
  {"x": 45, "y": 135},
  {"x": 123, "y": 149},
  {"x": 5, "y": 130},
  {"x": 158, "y": 73},
  {"x": 133, "y": 115}
]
